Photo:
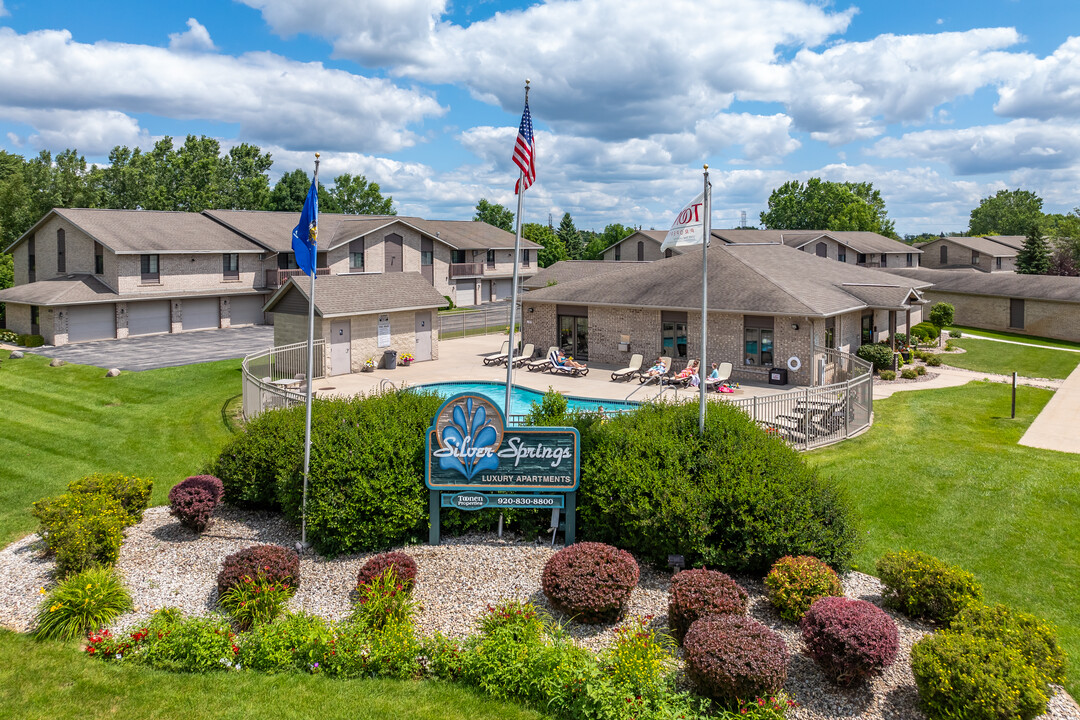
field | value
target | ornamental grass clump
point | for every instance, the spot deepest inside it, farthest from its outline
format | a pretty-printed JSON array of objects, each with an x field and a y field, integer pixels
[
  {"x": 402, "y": 565},
  {"x": 591, "y": 582},
  {"x": 732, "y": 657},
  {"x": 192, "y": 501},
  {"x": 697, "y": 594},
  {"x": 274, "y": 563},
  {"x": 85, "y": 601},
  {"x": 795, "y": 583},
  {"x": 921, "y": 586},
  {"x": 850, "y": 640}
]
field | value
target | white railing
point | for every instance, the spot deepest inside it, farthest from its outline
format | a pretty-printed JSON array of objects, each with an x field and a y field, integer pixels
[
  {"x": 275, "y": 377},
  {"x": 835, "y": 366}
]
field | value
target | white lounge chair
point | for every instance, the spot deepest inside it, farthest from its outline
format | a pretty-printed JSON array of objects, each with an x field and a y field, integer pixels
[
  {"x": 725, "y": 373},
  {"x": 644, "y": 378},
  {"x": 499, "y": 357},
  {"x": 526, "y": 355},
  {"x": 541, "y": 364},
  {"x": 561, "y": 369},
  {"x": 631, "y": 370}
]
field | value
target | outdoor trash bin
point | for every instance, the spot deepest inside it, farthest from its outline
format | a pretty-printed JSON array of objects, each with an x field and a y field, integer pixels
[{"x": 390, "y": 359}]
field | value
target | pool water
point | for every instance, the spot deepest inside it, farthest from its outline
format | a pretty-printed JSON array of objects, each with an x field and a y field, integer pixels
[{"x": 521, "y": 399}]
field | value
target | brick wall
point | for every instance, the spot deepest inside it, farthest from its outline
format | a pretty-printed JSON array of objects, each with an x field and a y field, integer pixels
[
  {"x": 180, "y": 273},
  {"x": 18, "y": 318},
  {"x": 1043, "y": 318}
]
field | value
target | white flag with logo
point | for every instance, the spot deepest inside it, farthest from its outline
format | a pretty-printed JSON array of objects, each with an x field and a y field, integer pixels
[{"x": 689, "y": 226}]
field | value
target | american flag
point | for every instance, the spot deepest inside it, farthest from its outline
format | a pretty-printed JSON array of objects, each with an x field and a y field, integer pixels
[{"x": 524, "y": 155}]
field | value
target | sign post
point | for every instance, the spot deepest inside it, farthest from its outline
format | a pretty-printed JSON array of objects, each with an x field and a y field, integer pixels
[{"x": 474, "y": 461}]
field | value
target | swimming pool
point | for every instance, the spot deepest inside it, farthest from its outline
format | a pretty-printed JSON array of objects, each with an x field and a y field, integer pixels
[{"x": 521, "y": 399}]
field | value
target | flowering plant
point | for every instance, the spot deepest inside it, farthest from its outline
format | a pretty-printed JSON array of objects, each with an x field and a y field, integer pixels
[
  {"x": 255, "y": 601},
  {"x": 407, "y": 358},
  {"x": 370, "y": 362}
]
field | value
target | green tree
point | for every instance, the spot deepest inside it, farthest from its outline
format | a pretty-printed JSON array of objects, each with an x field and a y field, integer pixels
[
  {"x": 825, "y": 205},
  {"x": 1009, "y": 212},
  {"x": 121, "y": 181},
  {"x": 551, "y": 251},
  {"x": 244, "y": 184},
  {"x": 198, "y": 174},
  {"x": 941, "y": 314},
  {"x": 494, "y": 214},
  {"x": 290, "y": 191},
  {"x": 1034, "y": 256},
  {"x": 570, "y": 237},
  {"x": 354, "y": 195},
  {"x": 612, "y": 234}
]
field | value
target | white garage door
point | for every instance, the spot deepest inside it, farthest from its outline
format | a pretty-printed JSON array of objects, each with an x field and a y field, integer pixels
[
  {"x": 146, "y": 318},
  {"x": 246, "y": 310},
  {"x": 200, "y": 313},
  {"x": 503, "y": 289},
  {"x": 91, "y": 322}
]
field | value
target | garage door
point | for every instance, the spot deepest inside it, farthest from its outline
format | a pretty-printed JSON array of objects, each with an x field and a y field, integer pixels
[
  {"x": 200, "y": 313},
  {"x": 246, "y": 310},
  {"x": 146, "y": 318},
  {"x": 91, "y": 322},
  {"x": 503, "y": 289}
]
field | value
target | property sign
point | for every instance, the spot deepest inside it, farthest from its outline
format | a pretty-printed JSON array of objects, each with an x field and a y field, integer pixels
[
  {"x": 384, "y": 331},
  {"x": 479, "y": 462}
]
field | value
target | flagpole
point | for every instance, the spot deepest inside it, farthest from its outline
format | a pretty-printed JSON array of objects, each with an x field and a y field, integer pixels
[
  {"x": 310, "y": 375},
  {"x": 514, "y": 286},
  {"x": 702, "y": 365}
]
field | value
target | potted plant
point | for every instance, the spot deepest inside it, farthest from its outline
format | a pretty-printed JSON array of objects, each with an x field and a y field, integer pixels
[
  {"x": 369, "y": 365},
  {"x": 406, "y": 359}
]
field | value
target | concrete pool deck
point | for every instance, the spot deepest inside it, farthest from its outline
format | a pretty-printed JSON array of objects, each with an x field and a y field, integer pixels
[{"x": 462, "y": 360}]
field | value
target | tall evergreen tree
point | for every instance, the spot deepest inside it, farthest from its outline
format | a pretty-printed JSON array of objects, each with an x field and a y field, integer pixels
[
  {"x": 1034, "y": 256},
  {"x": 570, "y": 237}
]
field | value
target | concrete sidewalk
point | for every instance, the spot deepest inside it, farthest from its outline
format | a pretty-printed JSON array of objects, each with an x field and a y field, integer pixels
[
  {"x": 1058, "y": 425},
  {"x": 953, "y": 377}
]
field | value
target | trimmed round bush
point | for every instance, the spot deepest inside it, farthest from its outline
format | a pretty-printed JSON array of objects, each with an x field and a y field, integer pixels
[
  {"x": 920, "y": 370},
  {"x": 909, "y": 373},
  {"x": 962, "y": 675},
  {"x": 926, "y": 331},
  {"x": 273, "y": 562},
  {"x": 933, "y": 360},
  {"x": 1035, "y": 639},
  {"x": 590, "y": 581},
  {"x": 887, "y": 374},
  {"x": 192, "y": 501},
  {"x": 404, "y": 569},
  {"x": 849, "y": 639},
  {"x": 697, "y": 594},
  {"x": 730, "y": 657},
  {"x": 921, "y": 586},
  {"x": 880, "y": 356},
  {"x": 795, "y": 583}
]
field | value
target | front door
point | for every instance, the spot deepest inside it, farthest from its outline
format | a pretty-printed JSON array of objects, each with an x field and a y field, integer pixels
[
  {"x": 392, "y": 253},
  {"x": 423, "y": 336},
  {"x": 340, "y": 356}
]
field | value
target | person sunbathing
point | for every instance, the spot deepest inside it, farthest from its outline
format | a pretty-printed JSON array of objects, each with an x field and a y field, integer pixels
[
  {"x": 656, "y": 370},
  {"x": 688, "y": 371},
  {"x": 562, "y": 359}
]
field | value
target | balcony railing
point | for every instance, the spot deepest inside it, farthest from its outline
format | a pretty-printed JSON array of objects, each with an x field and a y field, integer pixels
[
  {"x": 276, "y": 278},
  {"x": 461, "y": 270}
]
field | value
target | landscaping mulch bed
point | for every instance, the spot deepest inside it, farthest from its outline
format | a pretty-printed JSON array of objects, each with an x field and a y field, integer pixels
[{"x": 166, "y": 564}]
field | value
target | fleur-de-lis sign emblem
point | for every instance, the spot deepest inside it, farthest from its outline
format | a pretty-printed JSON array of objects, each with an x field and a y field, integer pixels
[{"x": 470, "y": 440}]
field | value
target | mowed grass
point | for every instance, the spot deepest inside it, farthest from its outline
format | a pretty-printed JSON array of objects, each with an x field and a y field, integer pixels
[
  {"x": 65, "y": 422},
  {"x": 1005, "y": 358},
  {"x": 1017, "y": 337},
  {"x": 48, "y": 681},
  {"x": 941, "y": 471}
]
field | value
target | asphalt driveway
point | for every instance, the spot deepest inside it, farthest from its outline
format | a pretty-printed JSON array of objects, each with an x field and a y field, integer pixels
[{"x": 150, "y": 352}]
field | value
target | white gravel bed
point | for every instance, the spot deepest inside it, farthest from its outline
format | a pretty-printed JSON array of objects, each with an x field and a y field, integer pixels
[{"x": 164, "y": 564}]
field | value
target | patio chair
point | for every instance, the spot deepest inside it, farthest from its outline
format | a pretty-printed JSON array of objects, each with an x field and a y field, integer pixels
[
  {"x": 499, "y": 357},
  {"x": 683, "y": 378},
  {"x": 725, "y": 374},
  {"x": 644, "y": 378},
  {"x": 558, "y": 368},
  {"x": 526, "y": 355},
  {"x": 631, "y": 370},
  {"x": 541, "y": 364}
]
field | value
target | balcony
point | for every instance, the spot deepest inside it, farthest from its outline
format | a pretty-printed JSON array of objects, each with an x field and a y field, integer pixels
[
  {"x": 464, "y": 270},
  {"x": 276, "y": 278}
]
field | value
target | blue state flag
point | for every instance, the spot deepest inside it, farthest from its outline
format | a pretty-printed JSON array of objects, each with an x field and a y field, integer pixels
[{"x": 305, "y": 233}]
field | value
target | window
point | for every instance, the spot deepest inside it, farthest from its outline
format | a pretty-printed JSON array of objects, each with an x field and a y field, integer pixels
[
  {"x": 525, "y": 255},
  {"x": 230, "y": 266},
  {"x": 356, "y": 255},
  {"x": 457, "y": 256},
  {"x": 1016, "y": 313},
  {"x": 883, "y": 259},
  {"x": 757, "y": 340},
  {"x": 641, "y": 250},
  {"x": 35, "y": 328},
  {"x": 861, "y": 259},
  {"x": 673, "y": 333},
  {"x": 841, "y": 254},
  {"x": 944, "y": 255},
  {"x": 821, "y": 250},
  {"x": 150, "y": 272},
  {"x": 830, "y": 332},
  {"x": 31, "y": 260},
  {"x": 909, "y": 257},
  {"x": 618, "y": 251},
  {"x": 667, "y": 253},
  {"x": 427, "y": 257},
  {"x": 974, "y": 257},
  {"x": 491, "y": 258},
  {"x": 997, "y": 263},
  {"x": 99, "y": 259},
  {"x": 867, "y": 329},
  {"x": 61, "y": 242}
]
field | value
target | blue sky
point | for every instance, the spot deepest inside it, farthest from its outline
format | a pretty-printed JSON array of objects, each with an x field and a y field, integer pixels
[{"x": 937, "y": 103}]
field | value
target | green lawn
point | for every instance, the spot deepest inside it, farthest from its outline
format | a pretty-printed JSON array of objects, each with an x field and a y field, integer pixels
[
  {"x": 62, "y": 423},
  {"x": 1005, "y": 358},
  {"x": 1016, "y": 337},
  {"x": 48, "y": 681},
  {"x": 941, "y": 471}
]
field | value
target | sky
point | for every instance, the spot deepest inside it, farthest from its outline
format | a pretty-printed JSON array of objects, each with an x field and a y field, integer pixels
[{"x": 938, "y": 104}]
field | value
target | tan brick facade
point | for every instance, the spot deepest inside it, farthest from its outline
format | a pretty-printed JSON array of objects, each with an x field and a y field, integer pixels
[
  {"x": 363, "y": 335},
  {"x": 1042, "y": 318}
]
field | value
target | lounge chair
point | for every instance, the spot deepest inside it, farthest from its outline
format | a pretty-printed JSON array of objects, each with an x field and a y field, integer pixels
[
  {"x": 525, "y": 356},
  {"x": 541, "y": 364},
  {"x": 560, "y": 369},
  {"x": 631, "y": 370},
  {"x": 645, "y": 379},
  {"x": 683, "y": 378},
  {"x": 725, "y": 374},
  {"x": 499, "y": 357}
]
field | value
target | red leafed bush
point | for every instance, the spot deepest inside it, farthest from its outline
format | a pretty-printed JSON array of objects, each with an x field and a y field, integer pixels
[
  {"x": 590, "y": 581},
  {"x": 192, "y": 501},
  {"x": 273, "y": 562},
  {"x": 697, "y": 594},
  {"x": 849, "y": 639},
  {"x": 729, "y": 657},
  {"x": 404, "y": 568}
]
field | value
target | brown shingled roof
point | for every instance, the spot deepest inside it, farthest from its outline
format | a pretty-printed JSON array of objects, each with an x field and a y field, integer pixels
[
  {"x": 570, "y": 270},
  {"x": 363, "y": 293},
  {"x": 1014, "y": 285}
]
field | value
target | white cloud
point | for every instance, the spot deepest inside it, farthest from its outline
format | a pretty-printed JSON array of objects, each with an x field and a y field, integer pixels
[
  {"x": 91, "y": 132},
  {"x": 1049, "y": 88},
  {"x": 3, "y": 10},
  {"x": 196, "y": 39},
  {"x": 765, "y": 139},
  {"x": 271, "y": 98}
]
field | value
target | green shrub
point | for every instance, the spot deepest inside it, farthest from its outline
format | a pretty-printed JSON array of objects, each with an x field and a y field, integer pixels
[
  {"x": 920, "y": 370},
  {"x": 382, "y": 601},
  {"x": 551, "y": 409},
  {"x": 1034, "y": 639},
  {"x": 909, "y": 373},
  {"x": 270, "y": 446},
  {"x": 9, "y": 336},
  {"x": 887, "y": 375},
  {"x": 972, "y": 677},
  {"x": 926, "y": 331},
  {"x": 880, "y": 356},
  {"x": 941, "y": 314},
  {"x": 86, "y": 601},
  {"x": 733, "y": 498},
  {"x": 132, "y": 492},
  {"x": 256, "y": 601},
  {"x": 933, "y": 360},
  {"x": 82, "y": 531},
  {"x": 949, "y": 346},
  {"x": 31, "y": 341},
  {"x": 901, "y": 339},
  {"x": 921, "y": 586},
  {"x": 795, "y": 583},
  {"x": 292, "y": 642},
  {"x": 955, "y": 334},
  {"x": 193, "y": 645}
]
